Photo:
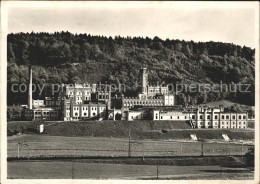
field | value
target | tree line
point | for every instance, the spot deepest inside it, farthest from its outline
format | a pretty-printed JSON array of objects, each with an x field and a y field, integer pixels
[{"x": 62, "y": 57}]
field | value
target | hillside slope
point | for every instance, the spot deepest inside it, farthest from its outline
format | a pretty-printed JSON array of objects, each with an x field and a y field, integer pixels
[
  {"x": 67, "y": 58},
  {"x": 142, "y": 129}
]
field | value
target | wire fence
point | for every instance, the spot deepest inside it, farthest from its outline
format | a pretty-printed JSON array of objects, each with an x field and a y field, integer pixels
[{"x": 125, "y": 148}]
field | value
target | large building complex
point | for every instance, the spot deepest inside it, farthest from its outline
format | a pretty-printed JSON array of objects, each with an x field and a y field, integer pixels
[
  {"x": 149, "y": 95},
  {"x": 91, "y": 101}
]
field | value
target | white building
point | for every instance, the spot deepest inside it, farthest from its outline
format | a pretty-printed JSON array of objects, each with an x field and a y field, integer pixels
[{"x": 204, "y": 117}]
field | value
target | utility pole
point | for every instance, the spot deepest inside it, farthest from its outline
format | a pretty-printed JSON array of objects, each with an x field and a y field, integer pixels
[
  {"x": 28, "y": 152},
  {"x": 157, "y": 171},
  {"x": 72, "y": 171},
  {"x": 181, "y": 149},
  {"x": 202, "y": 142},
  {"x": 19, "y": 146},
  {"x": 74, "y": 151},
  {"x": 129, "y": 143},
  {"x": 242, "y": 149},
  {"x": 226, "y": 149},
  {"x": 18, "y": 150}
]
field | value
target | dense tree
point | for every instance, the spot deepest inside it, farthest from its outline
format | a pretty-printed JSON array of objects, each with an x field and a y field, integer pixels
[{"x": 66, "y": 58}]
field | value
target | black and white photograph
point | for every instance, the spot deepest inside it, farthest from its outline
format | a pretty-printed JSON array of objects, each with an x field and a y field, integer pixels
[{"x": 130, "y": 91}]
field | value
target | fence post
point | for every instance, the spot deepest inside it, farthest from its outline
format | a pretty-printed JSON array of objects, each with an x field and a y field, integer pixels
[
  {"x": 72, "y": 171},
  {"x": 129, "y": 143},
  {"x": 202, "y": 142},
  {"x": 226, "y": 149},
  {"x": 242, "y": 149},
  {"x": 18, "y": 150},
  {"x": 181, "y": 149},
  {"x": 157, "y": 171}
]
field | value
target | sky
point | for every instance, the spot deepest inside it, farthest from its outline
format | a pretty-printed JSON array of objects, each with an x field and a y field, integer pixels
[{"x": 200, "y": 24}]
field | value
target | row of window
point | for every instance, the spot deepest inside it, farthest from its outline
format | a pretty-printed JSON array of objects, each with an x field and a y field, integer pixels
[
  {"x": 239, "y": 127},
  {"x": 45, "y": 112},
  {"x": 52, "y": 102},
  {"x": 85, "y": 108},
  {"x": 158, "y": 90},
  {"x": 234, "y": 123},
  {"x": 84, "y": 114},
  {"x": 143, "y": 102},
  {"x": 223, "y": 117},
  {"x": 208, "y": 117},
  {"x": 103, "y": 97},
  {"x": 79, "y": 93}
]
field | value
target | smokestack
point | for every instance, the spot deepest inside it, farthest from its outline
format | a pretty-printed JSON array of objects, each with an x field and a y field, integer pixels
[{"x": 30, "y": 88}]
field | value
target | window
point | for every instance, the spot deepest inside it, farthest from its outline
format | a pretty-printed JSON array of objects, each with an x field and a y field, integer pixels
[
  {"x": 85, "y": 114},
  {"x": 239, "y": 123},
  {"x": 239, "y": 117},
  {"x": 171, "y": 117},
  {"x": 193, "y": 117},
  {"x": 156, "y": 117},
  {"x": 200, "y": 116},
  {"x": 223, "y": 117},
  {"x": 227, "y": 116},
  {"x": 76, "y": 114},
  {"x": 208, "y": 117},
  {"x": 161, "y": 117},
  {"x": 185, "y": 117},
  {"x": 178, "y": 117},
  {"x": 233, "y": 117},
  {"x": 216, "y": 117},
  {"x": 100, "y": 96},
  {"x": 244, "y": 117}
]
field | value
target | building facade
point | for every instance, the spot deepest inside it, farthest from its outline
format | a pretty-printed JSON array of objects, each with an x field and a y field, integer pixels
[
  {"x": 204, "y": 117},
  {"x": 149, "y": 95},
  {"x": 156, "y": 103}
]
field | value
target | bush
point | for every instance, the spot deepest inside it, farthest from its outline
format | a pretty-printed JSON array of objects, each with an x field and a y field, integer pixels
[
  {"x": 250, "y": 157},
  {"x": 9, "y": 133}
]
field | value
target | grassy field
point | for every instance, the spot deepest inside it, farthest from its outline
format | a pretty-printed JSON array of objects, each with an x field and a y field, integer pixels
[
  {"x": 164, "y": 130},
  {"x": 77, "y": 170},
  {"x": 44, "y": 145}
]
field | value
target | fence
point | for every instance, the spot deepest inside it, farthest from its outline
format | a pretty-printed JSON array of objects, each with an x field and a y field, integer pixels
[{"x": 126, "y": 148}]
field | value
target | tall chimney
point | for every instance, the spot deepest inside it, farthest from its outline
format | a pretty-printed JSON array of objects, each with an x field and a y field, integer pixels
[
  {"x": 144, "y": 80},
  {"x": 30, "y": 88}
]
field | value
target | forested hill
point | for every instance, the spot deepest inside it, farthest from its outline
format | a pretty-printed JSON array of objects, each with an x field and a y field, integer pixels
[{"x": 67, "y": 58}]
